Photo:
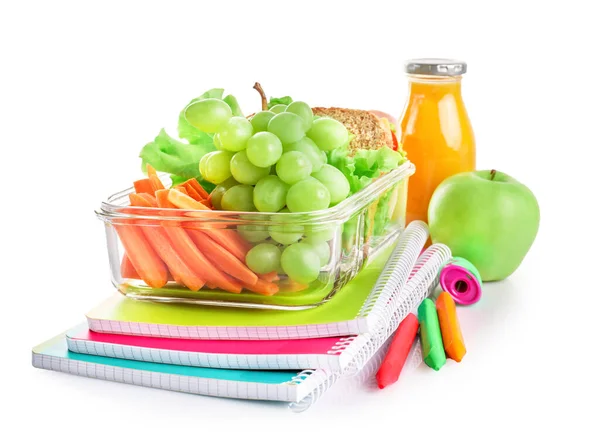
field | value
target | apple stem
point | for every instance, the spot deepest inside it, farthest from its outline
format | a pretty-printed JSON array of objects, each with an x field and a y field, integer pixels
[
  {"x": 263, "y": 97},
  {"x": 492, "y": 175}
]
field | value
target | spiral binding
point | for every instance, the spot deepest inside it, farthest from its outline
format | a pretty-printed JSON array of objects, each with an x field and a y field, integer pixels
[
  {"x": 396, "y": 271},
  {"x": 341, "y": 345},
  {"x": 302, "y": 375},
  {"x": 308, "y": 401},
  {"x": 403, "y": 298},
  {"x": 424, "y": 279}
]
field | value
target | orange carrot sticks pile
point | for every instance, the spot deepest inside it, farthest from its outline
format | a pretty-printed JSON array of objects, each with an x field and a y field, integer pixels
[{"x": 193, "y": 254}]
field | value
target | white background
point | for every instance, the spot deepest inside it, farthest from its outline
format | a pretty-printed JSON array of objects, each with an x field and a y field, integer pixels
[{"x": 84, "y": 86}]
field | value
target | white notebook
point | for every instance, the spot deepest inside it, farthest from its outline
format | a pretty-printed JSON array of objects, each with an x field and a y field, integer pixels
[{"x": 283, "y": 386}]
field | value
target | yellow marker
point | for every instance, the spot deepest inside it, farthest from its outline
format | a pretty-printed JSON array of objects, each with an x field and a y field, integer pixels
[{"x": 454, "y": 345}]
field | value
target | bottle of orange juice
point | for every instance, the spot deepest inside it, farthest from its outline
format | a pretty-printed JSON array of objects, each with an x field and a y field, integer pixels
[{"x": 435, "y": 129}]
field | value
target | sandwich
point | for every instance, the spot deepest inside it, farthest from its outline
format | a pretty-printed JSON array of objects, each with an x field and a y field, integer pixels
[{"x": 370, "y": 130}]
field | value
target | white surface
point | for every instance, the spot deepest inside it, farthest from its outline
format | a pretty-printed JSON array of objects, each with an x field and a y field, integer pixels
[{"x": 83, "y": 87}]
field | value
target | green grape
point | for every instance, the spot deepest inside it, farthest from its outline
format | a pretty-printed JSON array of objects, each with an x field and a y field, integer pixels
[
  {"x": 305, "y": 145},
  {"x": 264, "y": 149},
  {"x": 254, "y": 234},
  {"x": 303, "y": 110},
  {"x": 263, "y": 258},
  {"x": 260, "y": 121},
  {"x": 269, "y": 194},
  {"x": 335, "y": 181},
  {"x": 293, "y": 166},
  {"x": 328, "y": 133},
  {"x": 202, "y": 163},
  {"x": 301, "y": 263},
  {"x": 208, "y": 115},
  {"x": 316, "y": 235},
  {"x": 307, "y": 196},
  {"x": 217, "y": 194},
  {"x": 214, "y": 166},
  {"x": 279, "y": 108},
  {"x": 235, "y": 133},
  {"x": 282, "y": 237},
  {"x": 285, "y": 233},
  {"x": 217, "y": 142},
  {"x": 321, "y": 249},
  {"x": 245, "y": 171},
  {"x": 288, "y": 127},
  {"x": 238, "y": 198}
]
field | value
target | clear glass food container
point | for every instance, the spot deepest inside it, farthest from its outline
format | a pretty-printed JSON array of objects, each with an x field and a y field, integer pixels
[{"x": 198, "y": 256}]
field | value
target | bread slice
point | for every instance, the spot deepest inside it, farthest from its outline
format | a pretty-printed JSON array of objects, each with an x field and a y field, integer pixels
[{"x": 369, "y": 131}]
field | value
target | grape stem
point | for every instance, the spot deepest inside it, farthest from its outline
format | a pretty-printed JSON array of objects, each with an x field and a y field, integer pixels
[{"x": 263, "y": 97}]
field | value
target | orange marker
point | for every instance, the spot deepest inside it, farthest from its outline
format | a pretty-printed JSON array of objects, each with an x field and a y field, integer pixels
[{"x": 454, "y": 344}]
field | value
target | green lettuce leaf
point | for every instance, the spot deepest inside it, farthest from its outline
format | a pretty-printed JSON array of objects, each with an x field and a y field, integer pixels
[
  {"x": 365, "y": 165},
  {"x": 285, "y": 100},
  {"x": 169, "y": 155}
]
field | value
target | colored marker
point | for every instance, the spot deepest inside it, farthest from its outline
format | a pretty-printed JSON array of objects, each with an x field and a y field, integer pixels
[
  {"x": 431, "y": 337},
  {"x": 451, "y": 333},
  {"x": 394, "y": 360}
]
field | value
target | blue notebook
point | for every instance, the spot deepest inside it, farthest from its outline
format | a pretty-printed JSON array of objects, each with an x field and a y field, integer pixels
[{"x": 284, "y": 386}]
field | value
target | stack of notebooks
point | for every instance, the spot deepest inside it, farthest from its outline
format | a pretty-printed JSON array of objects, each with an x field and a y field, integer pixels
[{"x": 288, "y": 356}]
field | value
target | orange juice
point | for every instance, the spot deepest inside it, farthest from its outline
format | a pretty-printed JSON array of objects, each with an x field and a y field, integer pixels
[{"x": 435, "y": 129}]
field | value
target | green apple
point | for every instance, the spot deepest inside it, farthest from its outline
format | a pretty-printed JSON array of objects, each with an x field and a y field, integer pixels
[{"x": 487, "y": 217}]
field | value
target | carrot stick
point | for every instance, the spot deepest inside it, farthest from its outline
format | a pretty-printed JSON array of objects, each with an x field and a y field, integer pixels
[
  {"x": 143, "y": 186},
  {"x": 156, "y": 182},
  {"x": 270, "y": 277},
  {"x": 162, "y": 199},
  {"x": 232, "y": 241},
  {"x": 180, "y": 270},
  {"x": 223, "y": 258},
  {"x": 187, "y": 250},
  {"x": 150, "y": 198},
  {"x": 263, "y": 288},
  {"x": 183, "y": 201},
  {"x": 191, "y": 191},
  {"x": 196, "y": 186},
  {"x": 182, "y": 190},
  {"x": 127, "y": 269},
  {"x": 144, "y": 258},
  {"x": 139, "y": 200}
]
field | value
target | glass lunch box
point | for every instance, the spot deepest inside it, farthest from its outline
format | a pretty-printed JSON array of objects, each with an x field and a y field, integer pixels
[{"x": 179, "y": 254}]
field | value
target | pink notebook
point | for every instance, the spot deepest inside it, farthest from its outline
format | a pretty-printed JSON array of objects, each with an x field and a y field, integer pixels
[{"x": 330, "y": 353}]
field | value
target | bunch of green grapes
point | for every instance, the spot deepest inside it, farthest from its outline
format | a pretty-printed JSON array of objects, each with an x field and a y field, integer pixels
[{"x": 276, "y": 162}]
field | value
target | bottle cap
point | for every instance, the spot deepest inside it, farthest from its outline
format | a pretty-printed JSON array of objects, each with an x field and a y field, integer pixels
[{"x": 435, "y": 67}]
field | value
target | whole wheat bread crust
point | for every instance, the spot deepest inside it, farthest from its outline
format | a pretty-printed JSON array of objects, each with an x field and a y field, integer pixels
[{"x": 368, "y": 130}]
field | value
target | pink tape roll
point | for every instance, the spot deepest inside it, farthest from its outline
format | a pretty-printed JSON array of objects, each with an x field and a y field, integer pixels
[{"x": 460, "y": 283}]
